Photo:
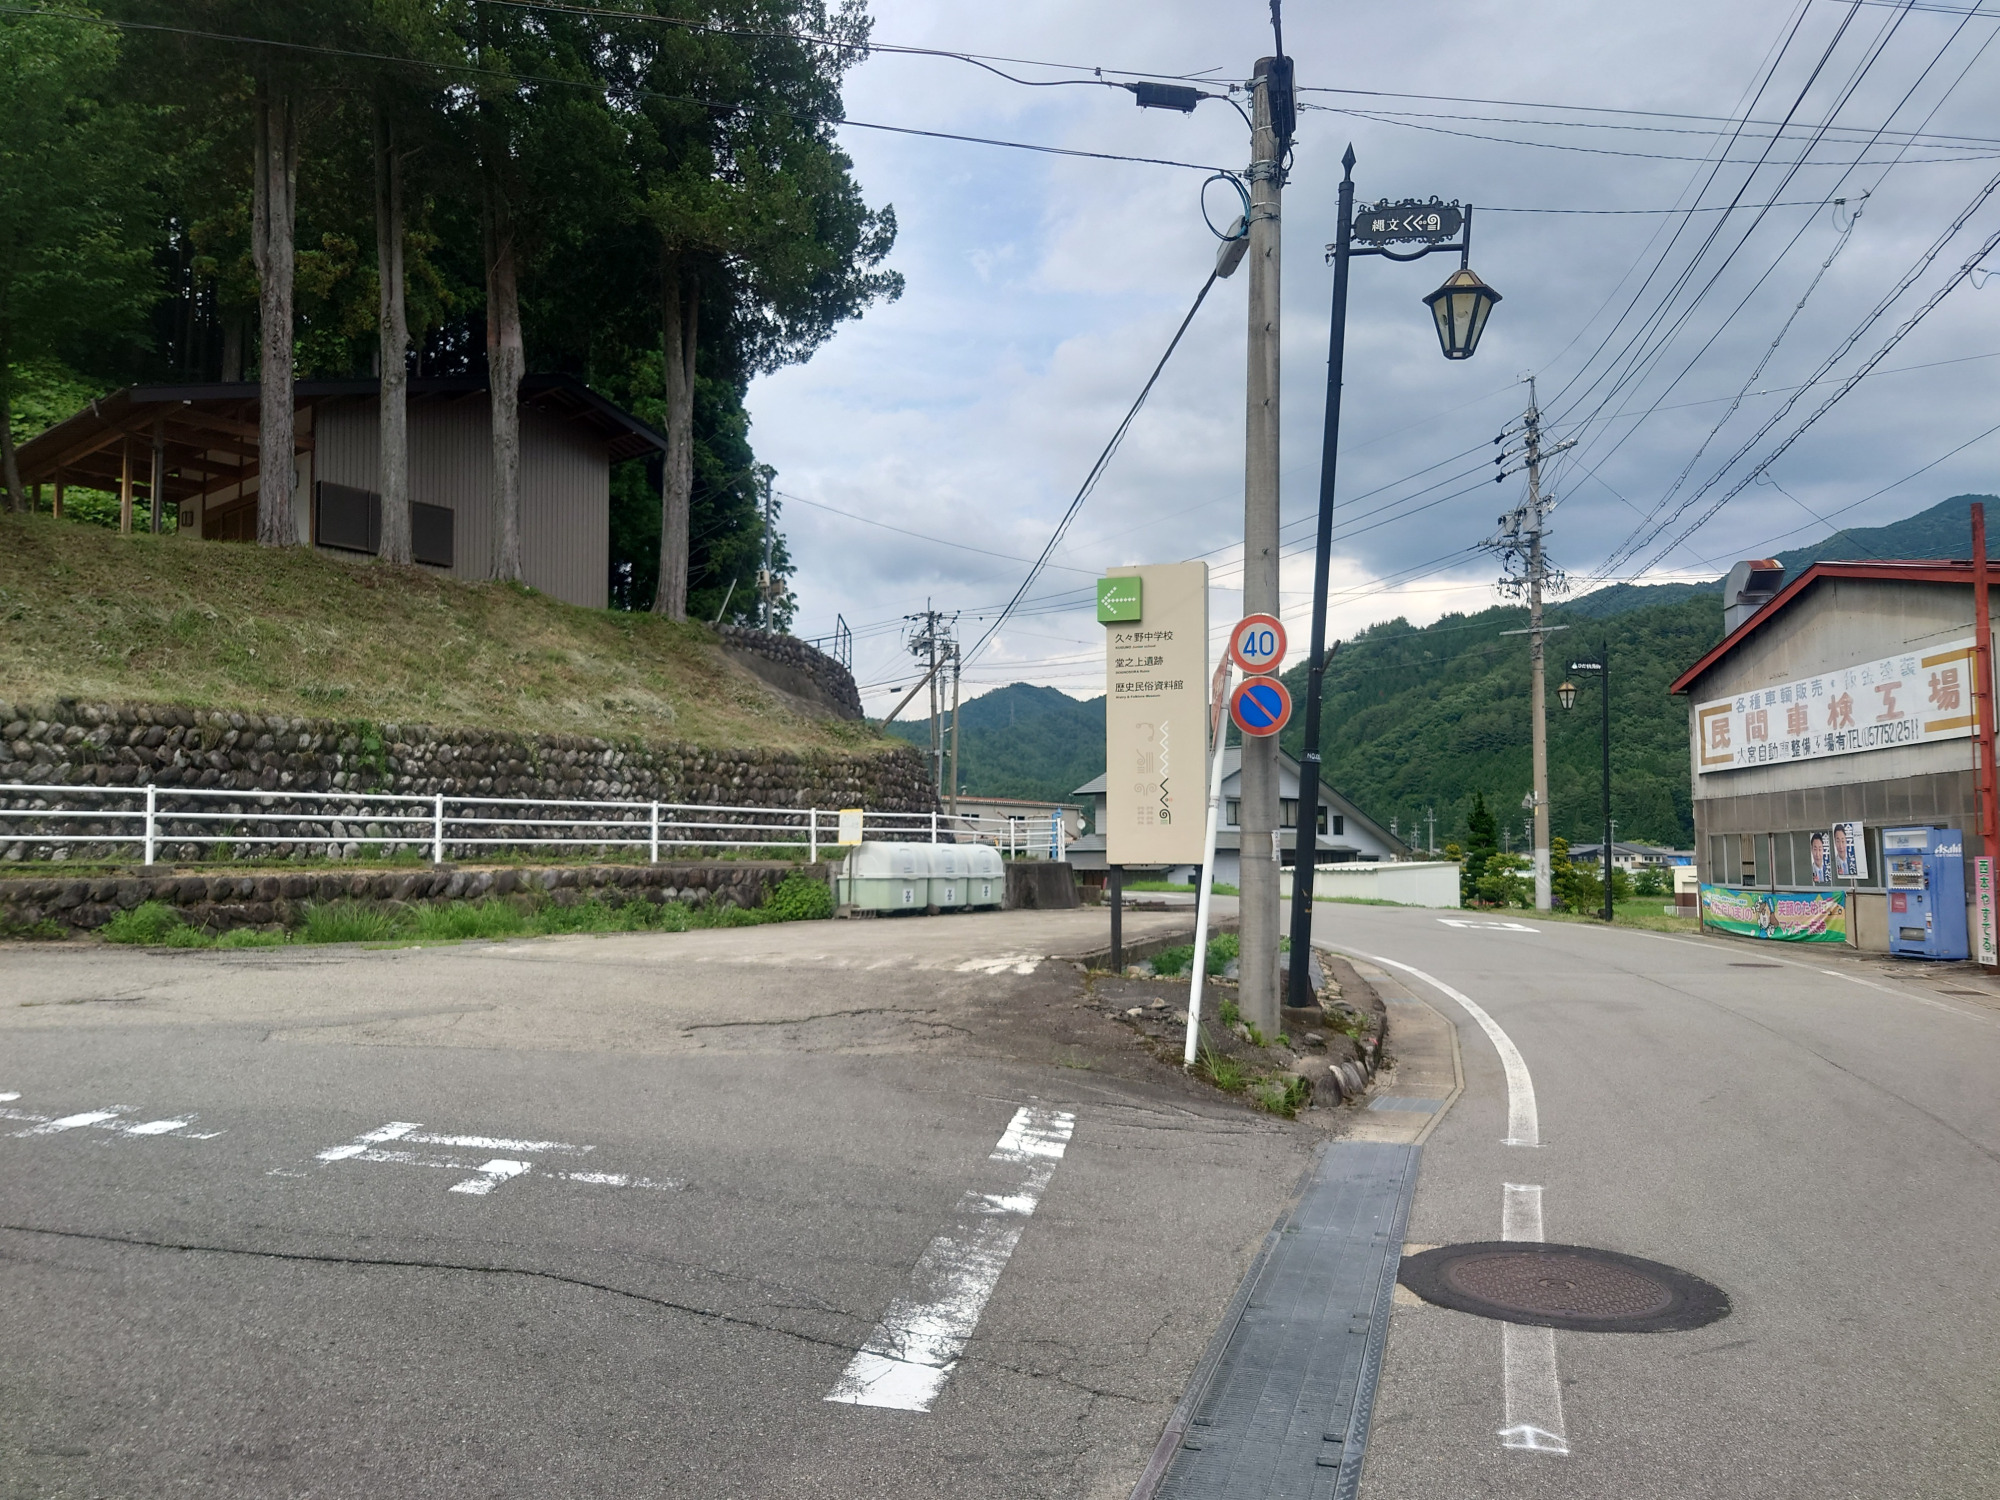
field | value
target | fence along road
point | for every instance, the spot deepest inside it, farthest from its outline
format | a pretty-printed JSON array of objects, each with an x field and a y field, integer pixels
[{"x": 196, "y": 820}]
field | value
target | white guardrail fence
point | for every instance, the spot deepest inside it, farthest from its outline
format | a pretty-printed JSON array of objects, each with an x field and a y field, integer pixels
[{"x": 186, "y": 824}]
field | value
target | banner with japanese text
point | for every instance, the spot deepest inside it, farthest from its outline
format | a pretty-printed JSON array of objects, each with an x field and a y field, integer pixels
[
  {"x": 1782, "y": 916},
  {"x": 1908, "y": 699}
]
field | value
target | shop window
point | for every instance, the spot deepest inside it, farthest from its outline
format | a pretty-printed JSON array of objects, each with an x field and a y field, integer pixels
[{"x": 1232, "y": 812}]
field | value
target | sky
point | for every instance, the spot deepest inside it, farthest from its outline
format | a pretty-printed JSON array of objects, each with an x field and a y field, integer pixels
[{"x": 926, "y": 453}]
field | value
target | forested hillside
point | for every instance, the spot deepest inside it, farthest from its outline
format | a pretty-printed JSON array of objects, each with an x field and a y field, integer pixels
[{"x": 1421, "y": 720}]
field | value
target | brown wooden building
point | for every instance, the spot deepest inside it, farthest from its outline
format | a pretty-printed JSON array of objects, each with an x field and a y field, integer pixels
[{"x": 194, "y": 448}]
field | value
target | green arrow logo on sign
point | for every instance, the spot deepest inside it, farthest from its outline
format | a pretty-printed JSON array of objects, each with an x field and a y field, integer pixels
[{"x": 1118, "y": 599}]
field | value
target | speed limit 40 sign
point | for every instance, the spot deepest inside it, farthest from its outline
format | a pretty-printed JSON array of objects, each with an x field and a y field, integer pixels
[{"x": 1257, "y": 645}]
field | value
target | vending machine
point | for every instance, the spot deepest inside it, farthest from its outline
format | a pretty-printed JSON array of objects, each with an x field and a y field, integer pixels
[{"x": 1925, "y": 874}]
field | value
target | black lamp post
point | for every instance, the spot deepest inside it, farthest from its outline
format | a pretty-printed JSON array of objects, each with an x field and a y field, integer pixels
[
  {"x": 1460, "y": 308},
  {"x": 1567, "y": 693}
]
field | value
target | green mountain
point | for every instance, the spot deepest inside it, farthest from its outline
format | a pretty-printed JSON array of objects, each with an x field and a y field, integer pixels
[
  {"x": 1024, "y": 741},
  {"x": 1945, "y": 530},
  {"x": 1419, "y": 720}
]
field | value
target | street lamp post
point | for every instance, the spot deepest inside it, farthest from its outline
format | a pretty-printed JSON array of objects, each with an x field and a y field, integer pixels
[
  {"x": 1567, "y": 693},
  {"x": 1459, "y": 308}
]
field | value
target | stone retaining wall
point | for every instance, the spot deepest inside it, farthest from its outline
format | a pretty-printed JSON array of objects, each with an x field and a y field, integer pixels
[
  {"x": 220, "y": 902},
  {"x": 829, "y": 682},
  {"x": 96, "y": 744}
]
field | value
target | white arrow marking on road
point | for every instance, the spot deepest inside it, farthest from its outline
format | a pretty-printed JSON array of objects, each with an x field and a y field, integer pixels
[
  {"x": 1523, "y": 1127},
  {"x": 490, "y": 1177},
  {"x": 1532, "y": 1388},
  {"x": 913, "y": 1350}
]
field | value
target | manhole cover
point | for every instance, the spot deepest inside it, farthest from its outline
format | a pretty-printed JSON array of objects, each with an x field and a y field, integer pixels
[{"x": 1563, "y": 1286}]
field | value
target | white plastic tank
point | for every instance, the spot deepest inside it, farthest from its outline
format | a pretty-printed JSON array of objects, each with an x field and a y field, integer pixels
[
  {"x": 887, "y": 877},
  {"x": 985, "y": 876},
  {"x": 948, "y": 872}
]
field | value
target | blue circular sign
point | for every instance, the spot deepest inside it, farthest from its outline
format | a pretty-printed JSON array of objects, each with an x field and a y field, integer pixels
[{"x": 1260, "y": 706}]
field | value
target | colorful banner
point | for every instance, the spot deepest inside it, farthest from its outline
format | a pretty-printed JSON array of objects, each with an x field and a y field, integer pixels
[
  {"x": 1782, "y": 916},
  {"x": 1900, "y": 700},
  {"x": 1986, "y": 941}
]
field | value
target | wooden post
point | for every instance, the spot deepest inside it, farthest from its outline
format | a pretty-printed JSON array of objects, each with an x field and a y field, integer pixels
[
  {"x": 159, "y": 482},
  {"x": 125, "y": 485},
  {"x": 59, "y": 494}
]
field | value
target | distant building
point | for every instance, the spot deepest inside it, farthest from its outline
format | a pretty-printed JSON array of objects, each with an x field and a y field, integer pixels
[
  {"x": 1345, "y": 831},
  {"x": 1630, "y": 857},
  {"x": 201, "y": 441}
]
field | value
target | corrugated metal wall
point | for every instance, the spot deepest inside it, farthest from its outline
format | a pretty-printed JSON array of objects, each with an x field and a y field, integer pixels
[{"x": 565, "y": 486}]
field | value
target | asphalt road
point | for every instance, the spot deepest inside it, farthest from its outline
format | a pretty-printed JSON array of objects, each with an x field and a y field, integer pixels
[
  {"x": 783, "y": 1125},
  {"x": 316, "y": 1222},
  {"x": 1818, "y": 1135}
]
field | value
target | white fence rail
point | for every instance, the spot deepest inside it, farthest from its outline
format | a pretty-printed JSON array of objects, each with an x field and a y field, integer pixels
[{"x": 186, "y": 824}]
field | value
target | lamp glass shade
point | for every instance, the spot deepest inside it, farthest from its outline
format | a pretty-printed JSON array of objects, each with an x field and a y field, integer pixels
[
  {"x": 1567, "y": 692},
  {"x": 1461, "y": 307}
]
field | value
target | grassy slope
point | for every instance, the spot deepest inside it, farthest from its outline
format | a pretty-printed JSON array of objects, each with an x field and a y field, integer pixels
[{"x": 87, "y": 614}]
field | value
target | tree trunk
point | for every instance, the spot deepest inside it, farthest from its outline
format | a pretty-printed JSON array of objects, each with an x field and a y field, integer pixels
[
  {"x": 10, "y": 469},
  {"x": 680, "y": 304},
  {"x": 505, "y": 362},
  {"x": 394, "y": 328},
  {"x": 275, "y": 212}
]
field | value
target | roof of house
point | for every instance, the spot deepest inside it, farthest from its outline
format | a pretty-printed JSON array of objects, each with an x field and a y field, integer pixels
[
  {"x": 1949, "y": 570},
  {"x": 210, "y": 431}
]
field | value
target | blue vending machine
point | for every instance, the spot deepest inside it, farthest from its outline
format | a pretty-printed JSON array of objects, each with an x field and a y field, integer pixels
[{"x": 1926, "y": 881}]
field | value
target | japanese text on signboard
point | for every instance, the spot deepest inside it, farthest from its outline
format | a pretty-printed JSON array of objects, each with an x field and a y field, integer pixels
[{"x": 1899, "y": 700}]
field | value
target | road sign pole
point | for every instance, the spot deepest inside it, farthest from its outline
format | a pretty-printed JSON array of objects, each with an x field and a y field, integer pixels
[{"x": 1305, "y": 842}]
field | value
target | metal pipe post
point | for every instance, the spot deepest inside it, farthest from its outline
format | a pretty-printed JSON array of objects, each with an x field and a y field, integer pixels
[
  {"x": 1115, "y": 879},
  {"x": 1604, "y": 682},
  {"x": 1305, "y": 842}
]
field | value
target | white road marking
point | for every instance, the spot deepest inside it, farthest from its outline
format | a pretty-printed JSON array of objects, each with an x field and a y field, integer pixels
[
  {"x": 1019, "y": 963},
  {"x": 490, "y": 1176},
  {"x": 1531, "y": 1384},
  {"x": 392, "y": 1144},
  {"x": 159, "y": 1127},
  {"x": 1488, "y": 926},
  {"x": 1523, "y": 1124},
  {"x": 1906, "y": 995},
  {"x": 913, "y": 1350},
  {"x": 76, "y": 1122},
  {"x": 8, "y": 1098}
]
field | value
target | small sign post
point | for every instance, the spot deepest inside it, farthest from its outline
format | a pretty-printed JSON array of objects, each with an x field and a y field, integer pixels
[
  {"x": 1257, "y": 645},
  {"x": 1987, "y": 951},
  {"x": 1260, "y": 706}
]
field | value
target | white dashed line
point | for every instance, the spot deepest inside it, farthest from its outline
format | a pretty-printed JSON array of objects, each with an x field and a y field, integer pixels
[
  {"x": 1531, "y": 1385},
  {"x": 913, "y": 1350}
]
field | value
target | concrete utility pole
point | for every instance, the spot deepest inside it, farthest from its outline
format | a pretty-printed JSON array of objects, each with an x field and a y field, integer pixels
[
  {"x": 951, "y": 802},
  {"x": 1258, "y": 882},
  {"x": 764, "y": 579},
  {"x": 932, "y": 642},
  {"x": 1521, "y": 536}
]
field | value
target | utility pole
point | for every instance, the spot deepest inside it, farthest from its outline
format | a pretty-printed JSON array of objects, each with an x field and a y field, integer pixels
[
  {"x": 932, "y": 642},
  {"x": 764, "y": 580},
  {"x": 1522, "y": 532},
  {"x": 1270, "y": 138},
  {"x": 952, "y": 801},
  {"x": 1431, "y": 814}
]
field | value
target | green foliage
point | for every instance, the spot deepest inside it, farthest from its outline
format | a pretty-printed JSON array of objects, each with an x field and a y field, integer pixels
[
  {"x": 1173, "y": 962},
  {"x": 151, "y": 923},
  {"x": 1482, "y": 843},
  {"x": 348, "y": 922},
  {"x": 799, "y": 898},
  {"x": 1023, "y": 741},
  {"x": 1508, "y": 880},
  {"x": 76, "y": 211},
  {"x": 1225, "y": 1072},
  {"x": 1651, "y": 881},
  {"x": 1283, "y": 1096}
]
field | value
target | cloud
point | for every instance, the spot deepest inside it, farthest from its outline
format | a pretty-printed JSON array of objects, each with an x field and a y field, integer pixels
[{"x": 1043, "y": 289}]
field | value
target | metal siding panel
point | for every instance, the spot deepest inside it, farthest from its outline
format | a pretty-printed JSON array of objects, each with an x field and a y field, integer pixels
[
  {"x": 451, "y": 464},
  {"x": 346, "y": 443},
  {"x": 566, "y": 510}
]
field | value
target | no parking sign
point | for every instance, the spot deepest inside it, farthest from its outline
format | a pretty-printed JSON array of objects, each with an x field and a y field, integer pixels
[{"x": 1260, "y": 706}]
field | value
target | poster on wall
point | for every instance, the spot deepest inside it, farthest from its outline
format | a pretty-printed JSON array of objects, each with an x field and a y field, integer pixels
[
  {"x": 1850, "y": 852},
  {"x": 1822, "y": 859},
  {"x": 1781, "y": 916}
]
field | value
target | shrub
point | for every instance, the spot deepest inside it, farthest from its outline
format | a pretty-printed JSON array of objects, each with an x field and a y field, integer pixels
[
  {"x": 151, "y": 922},
  {"x": 1281, "y": 1096},
  {"x": 799, "y": 898},
  {"x": 250, "y": 937},
  {"x": 348, "y": 922},
  {"x": 464, "y": 919},
  {"x": 1226, "y": 1073}
]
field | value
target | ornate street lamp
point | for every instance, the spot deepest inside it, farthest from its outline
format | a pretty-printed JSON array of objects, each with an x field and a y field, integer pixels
[
  {"x": 1461, "y": 307},
  {"x": 1422, "y": 227},
  {"x": 1567, "y": 692}
]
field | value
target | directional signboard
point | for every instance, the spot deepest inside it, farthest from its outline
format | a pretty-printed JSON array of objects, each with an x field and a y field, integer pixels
[
  {"x": 1260, "y": 706},
  {"x": 1258, "y": 644},
  {"x": 1426, "y": 222},
  {"x": 1155, "y": 713}
]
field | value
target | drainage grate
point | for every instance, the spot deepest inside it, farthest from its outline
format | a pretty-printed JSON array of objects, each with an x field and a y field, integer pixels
[
  {"x": 1563, "y": 1286},
  {"x": 1740, "y": 964}
]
